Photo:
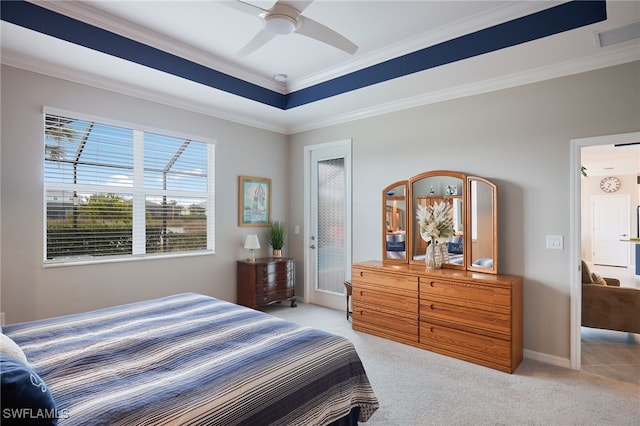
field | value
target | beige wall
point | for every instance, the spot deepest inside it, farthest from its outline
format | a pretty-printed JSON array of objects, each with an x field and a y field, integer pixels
[
  {"x": 29, "y": 290},
  {"x": 520, "y": 139}
]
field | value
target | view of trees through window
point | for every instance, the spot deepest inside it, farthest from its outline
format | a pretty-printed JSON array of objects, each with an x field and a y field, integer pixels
[{"x": 116, "y": 191}]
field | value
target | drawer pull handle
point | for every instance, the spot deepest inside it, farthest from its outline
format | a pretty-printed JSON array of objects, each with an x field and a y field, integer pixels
[
  {"x": 431, "y": 329},
  {"x": 361, "y": 293},
  {"x": 431, "y": 306},
  {"x": 361, "y": 274}
]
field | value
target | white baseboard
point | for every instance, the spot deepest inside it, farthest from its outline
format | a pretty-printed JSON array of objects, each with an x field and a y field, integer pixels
[{"x": 547, "y": 359}]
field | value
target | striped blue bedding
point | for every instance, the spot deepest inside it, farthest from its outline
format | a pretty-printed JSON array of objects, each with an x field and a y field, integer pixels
[{"x": 190, "y": 359}]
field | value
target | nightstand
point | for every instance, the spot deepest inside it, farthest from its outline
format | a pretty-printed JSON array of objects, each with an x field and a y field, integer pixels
[{"x": 266, "y": 281}]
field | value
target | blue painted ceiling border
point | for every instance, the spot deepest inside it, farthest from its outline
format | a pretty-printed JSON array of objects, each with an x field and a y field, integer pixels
[
  {"x": 561, "y": 18},
  {"x": 555, "y": 20}
]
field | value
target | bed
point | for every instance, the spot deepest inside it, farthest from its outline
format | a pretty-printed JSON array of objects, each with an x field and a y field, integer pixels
[{"x": 190, "y": 359}]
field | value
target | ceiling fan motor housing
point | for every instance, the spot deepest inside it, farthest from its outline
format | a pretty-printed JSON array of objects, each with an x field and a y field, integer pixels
[
  {"x": 280, "y": 24},
  {"x": 281, "y": 19}
]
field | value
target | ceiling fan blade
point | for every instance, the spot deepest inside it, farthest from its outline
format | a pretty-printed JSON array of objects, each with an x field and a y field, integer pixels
[
  {"x": 299, "y": 5},
  {"x": 260, "y": 39},
  {"x": 245, "y": 7},
  {"x": 310, "y": 28}
]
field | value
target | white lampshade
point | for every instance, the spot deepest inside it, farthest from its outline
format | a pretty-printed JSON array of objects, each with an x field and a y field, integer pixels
[{"x": 252, "y": 242}]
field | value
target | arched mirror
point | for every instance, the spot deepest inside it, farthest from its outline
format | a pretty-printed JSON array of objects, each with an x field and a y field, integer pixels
[
  {"x": 430, "y": 189},
  {"x": 394, "y": 207},
  {"x": 482, "y": 217},
  {"x": 471, "y": 205}
]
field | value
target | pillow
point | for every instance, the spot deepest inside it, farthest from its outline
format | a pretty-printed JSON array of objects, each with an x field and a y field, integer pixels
[
  {"x": 586, "y": 273},
  {"x": 11, "y": 348},
  {"x": 597, "y": 279},
  {"x": 455, "y": 248},
  {"x": 25, "y": 397}
]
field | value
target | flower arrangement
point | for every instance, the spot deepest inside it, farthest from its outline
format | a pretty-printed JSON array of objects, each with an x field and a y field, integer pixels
[{"x": 435, "y": 221}]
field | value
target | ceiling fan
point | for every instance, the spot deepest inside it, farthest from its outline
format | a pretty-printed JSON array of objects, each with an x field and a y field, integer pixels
[{"x": 285, "y": 17}]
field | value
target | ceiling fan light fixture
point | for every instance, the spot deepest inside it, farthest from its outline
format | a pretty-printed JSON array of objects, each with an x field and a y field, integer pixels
[{"x": 280, "y": 24}]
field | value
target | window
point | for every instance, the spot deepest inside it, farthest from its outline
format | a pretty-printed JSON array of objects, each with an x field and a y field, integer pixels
[{"x": 114, "y": 192}]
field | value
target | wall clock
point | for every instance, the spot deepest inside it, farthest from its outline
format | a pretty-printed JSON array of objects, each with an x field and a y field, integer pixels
[{"x": 610, "y": 184}]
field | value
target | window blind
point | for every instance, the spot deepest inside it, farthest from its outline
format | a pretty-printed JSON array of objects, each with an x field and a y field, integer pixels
[{"x": 116, "y": 191}]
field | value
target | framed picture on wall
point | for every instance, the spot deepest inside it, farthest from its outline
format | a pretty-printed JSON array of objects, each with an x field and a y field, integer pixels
[{"x": 254, "y": 201}]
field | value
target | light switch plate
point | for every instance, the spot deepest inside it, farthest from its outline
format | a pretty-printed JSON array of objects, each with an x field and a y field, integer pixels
[{"x": 555, "y": 242}]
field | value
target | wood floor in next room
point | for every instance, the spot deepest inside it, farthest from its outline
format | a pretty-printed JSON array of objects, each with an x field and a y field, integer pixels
[{"x": 611, "y": 353}]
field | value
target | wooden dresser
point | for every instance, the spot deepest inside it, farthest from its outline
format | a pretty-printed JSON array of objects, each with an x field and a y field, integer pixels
[
  {"x": 266, "y": 281},
  {"x": 471, "y": 316}
]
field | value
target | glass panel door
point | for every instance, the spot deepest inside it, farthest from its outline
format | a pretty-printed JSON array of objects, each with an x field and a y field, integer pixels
[
  {"x": 331, "y": 218},
  {"x": 328, "y": 257}
]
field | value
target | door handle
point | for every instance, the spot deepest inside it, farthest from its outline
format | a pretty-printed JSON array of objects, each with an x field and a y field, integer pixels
[{"x": 312, "y": 246}]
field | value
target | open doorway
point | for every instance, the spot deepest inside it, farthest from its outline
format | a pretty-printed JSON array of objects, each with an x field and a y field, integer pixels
[{"x": 604, "y": 203}]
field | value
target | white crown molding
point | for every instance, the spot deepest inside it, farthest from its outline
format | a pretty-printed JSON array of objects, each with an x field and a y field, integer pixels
[
  {"x": 606, "y": 59},
  {"x": 120, "y": 87},
  {"x": 460, "y": 28},
  {"x": 83, "y": 12}
]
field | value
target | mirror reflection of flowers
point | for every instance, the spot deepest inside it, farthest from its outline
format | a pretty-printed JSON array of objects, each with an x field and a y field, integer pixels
[{"x": 435, "y": 221}]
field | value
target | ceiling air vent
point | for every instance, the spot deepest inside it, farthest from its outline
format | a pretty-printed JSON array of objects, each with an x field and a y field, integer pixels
[{"x": 618, "y": 35}]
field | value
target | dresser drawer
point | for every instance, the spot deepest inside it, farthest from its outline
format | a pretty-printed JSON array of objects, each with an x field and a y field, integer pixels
[
  {"x": 479, "y": 320},
  {"x": 372, "y": 295},
  {"x": 264, "y": 299},
  {"x": 384, "y": 322},
  {"x": 271, "y": 287},
  {"x": 465, "y": 291},
  {"x": 394, "y": 283},
  {"x": 280, "y": 271},
  {"x": 465, "y": 345}
]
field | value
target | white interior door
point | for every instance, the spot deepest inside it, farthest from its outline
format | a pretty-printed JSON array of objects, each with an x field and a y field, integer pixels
[
  {"x": 611, "y": 221},
  {"x": 328, "y": 233}
]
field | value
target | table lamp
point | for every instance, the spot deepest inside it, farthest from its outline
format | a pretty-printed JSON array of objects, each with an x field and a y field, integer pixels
[{"x": 251, "y": 243}]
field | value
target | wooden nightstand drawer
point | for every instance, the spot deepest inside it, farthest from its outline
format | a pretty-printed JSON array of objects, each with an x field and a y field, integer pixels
[
  {"x": 272, "y": 287},
  {"x": 265, "y": 299},
  {"x": 269, "y": 273}
]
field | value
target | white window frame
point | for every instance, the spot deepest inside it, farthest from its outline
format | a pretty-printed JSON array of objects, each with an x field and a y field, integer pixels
[{"x": 138, "y": 192}]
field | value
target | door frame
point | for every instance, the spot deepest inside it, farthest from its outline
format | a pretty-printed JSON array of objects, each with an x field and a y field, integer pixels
[
  {"x": 346, "y": 144},
  {"x": 575, "y": 256}
]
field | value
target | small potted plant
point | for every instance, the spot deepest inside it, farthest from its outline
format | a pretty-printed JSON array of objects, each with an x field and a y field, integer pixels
[{"x": 277, "y": 232}]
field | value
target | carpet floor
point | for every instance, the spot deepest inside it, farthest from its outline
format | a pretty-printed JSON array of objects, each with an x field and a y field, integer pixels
[{"x": 418, "y": 388}]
